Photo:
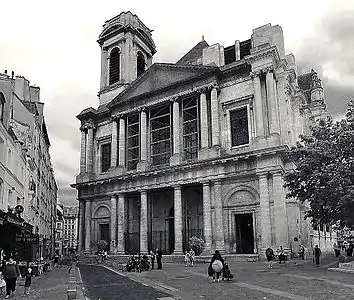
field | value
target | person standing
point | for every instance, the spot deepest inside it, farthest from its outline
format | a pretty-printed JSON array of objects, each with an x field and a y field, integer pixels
[
  {"x": 192, "y": 257},
  {"x": 28, "y": 280},
  {"x": 159, "y": 259},
  {"x": 317, "y": 254},
  {"x": 187, "y": 258},
  {"x": 10, "y": 272},
  {"x": 281, "y": 255},
  {"x": 152, "y": 257},
  {"x": 302, "y": 252},
  {"x": 270, "y": 256}
]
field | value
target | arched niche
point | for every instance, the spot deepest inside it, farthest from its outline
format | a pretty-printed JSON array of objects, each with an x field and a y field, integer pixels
[
  {"x": 242, "y": 196},
  {"x": 102, "y": 211}
]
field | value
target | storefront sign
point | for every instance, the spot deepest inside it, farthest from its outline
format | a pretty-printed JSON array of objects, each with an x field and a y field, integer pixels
[{"x": 26, "y": 238}]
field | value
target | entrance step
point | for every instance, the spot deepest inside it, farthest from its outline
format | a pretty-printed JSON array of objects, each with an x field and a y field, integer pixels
[{"x": 117, "y": 261}]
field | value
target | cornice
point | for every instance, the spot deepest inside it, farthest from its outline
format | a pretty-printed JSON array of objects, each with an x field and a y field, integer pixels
[{"x": 264, "y": 53}]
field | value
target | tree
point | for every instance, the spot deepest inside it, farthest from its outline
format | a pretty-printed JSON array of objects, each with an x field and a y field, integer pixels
[{"x": 324, "y": 174}]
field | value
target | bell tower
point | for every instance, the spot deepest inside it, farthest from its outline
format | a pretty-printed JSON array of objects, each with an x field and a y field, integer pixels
[{"x": 127, "y": 49}]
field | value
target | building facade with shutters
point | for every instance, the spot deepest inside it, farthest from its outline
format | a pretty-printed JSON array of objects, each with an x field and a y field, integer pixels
[{"x": 193, "y": 148}]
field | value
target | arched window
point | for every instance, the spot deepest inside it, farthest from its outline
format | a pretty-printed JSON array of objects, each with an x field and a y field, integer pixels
[
  {"x": 114, "y": 66},
  {"x": 140, "y": 64}
]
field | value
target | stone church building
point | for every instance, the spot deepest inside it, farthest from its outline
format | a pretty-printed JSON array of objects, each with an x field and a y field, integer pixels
[{"x": 193, "y": 148}]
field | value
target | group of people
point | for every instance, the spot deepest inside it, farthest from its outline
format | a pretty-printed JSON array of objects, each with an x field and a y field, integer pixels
[
  {"x": 189, "y": 257},
  {"x": 282, "y": 255},
  {"x": 9, "y": 272},
  {"x": 219, "y": 268}
]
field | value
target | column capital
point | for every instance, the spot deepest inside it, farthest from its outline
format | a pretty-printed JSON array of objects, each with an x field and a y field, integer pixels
[
  {"x": 217, "y": 182},
  {"x": 113, "y": 196},
  {"x": 267, "y": 70},
  {"x": 214, "y": 85},
  {"x": 143, "y": 191},
  {"x": 142, "y": 109},
  {"x": 263, "y": 174},
  {"x": 83, "y": 128},
  {"x": 115, "y": 118},
  {"x": 255, "y": 73},
  {"x": 176, "y": 186},
  {"x": 205, "y": 182},
  {"x": 277, "y": 173}
]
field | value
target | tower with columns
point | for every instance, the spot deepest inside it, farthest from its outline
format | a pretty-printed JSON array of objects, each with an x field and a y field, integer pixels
[{"x": 193, "y": 148}]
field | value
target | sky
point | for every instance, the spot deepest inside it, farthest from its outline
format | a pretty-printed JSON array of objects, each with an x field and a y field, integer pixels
[{"x": 53, "y": 44}]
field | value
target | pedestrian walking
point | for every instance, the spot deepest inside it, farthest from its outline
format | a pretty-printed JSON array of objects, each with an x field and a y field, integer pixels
[
  {"x": 10, "y": 272},
  {"x": 302, "y": 252},
  {"x": 317, "y": 254},
  {"x": 191, "y": 257},
  {"x": 152, "y": 258},
  {"x": 28, "y": 280},
  {"x": 159, "y": 259},
  {"x": 336, "y": 249},
  {"x": 270, "y": 256},
  {"x": 281, "y": 255},
  {"x": 216, "y": 266},
  {"x": 187, "y": 258},
  {"x": 2, "y": 283}
]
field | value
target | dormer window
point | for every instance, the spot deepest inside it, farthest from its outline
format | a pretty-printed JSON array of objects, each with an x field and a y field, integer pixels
[
  {"x": 140, "y": 64},
  {"x": 114, "y": 66}
]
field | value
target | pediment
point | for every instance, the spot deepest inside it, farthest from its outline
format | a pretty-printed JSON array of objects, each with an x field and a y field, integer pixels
[{"x": 160, "y": 76}]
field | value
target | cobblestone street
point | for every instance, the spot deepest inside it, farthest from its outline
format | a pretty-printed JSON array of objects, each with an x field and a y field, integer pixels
[
  {"x": 253, "y": 280},
  {"x": 49, "y": 286}
]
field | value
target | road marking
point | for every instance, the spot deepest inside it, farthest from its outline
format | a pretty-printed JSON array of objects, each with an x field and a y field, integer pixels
[
  {"x": 342, "y": 284},
  {"x": 166, "y": 298},
  {"x": 262, "y": 289}
]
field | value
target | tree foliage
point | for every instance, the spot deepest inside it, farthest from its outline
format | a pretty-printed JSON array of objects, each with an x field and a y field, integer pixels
[{"x": 324, "y": 174}]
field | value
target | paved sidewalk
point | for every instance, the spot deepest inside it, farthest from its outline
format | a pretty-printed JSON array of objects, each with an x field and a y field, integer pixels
[{"x": 50, "y": 285}]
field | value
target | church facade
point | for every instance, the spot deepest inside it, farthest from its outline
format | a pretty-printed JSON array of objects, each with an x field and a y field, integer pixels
[{"x": 193, "y": 148}]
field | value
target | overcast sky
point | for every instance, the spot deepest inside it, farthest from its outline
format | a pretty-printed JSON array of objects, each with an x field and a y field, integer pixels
[{"x": 53, "y": 44}]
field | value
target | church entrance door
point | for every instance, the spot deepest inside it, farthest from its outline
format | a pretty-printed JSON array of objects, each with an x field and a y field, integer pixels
[
  {"x": 104, "y": 233},
  {"x": 244, "y": 233}
]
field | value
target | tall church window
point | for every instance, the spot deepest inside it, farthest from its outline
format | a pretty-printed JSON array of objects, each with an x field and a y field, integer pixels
[
  {"x": 140, "y": 64},
  {"x": 105, "y": 157},
  {"x": 114, "y": 66},
  {"x": 160, "y": 124},
  {"x": 190, "y": 128},
  {"x": 239, "y": 127},
  {"x": 133, "y": 149}
]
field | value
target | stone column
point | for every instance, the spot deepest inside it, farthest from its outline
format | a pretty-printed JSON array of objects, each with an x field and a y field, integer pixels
[
  {"x": 176, "y": 157},
  {"x": 271, "y": 100},
  {"x": 215, "y": 124},
  {"x": 114, "y": 143},
  {"x": 280, "y": 216},
  {"x": 121, "y": 225},
  {"x": 204, "y": 135},
  {"x": 207, "y": 216},
  {"x": 113, "y": 223},
  {"x": 83, "y": 151},
  {"x": 178, "y": 219},
  {"x": 121, "y": 142},
  {"x": 219, "y": 217},
  {"x": 88, "y": 226},
  {"x": 81, "y": 224},
  {"x": 89, "y": 150},
  {"x": 264, "y": 211},
  {"x": 258, "y": 105},
  {"x": 143, "y": 141},
  {"x": 143, "y": 222}
]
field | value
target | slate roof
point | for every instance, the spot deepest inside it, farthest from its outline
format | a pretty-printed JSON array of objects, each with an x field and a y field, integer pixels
[{"x": 193, "y": 54}]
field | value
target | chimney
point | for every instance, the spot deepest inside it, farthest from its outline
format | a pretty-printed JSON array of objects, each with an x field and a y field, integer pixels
[
  {"x": 12, "y": 74},
  {"x": 5, "y": 71}
]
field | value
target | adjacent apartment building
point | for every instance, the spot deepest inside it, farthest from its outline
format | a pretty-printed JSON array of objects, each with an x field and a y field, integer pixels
[
  {"x": 28, "y": 190},
  {"x": 193, "y": 148},
  {"x": 70, "y": 229}
]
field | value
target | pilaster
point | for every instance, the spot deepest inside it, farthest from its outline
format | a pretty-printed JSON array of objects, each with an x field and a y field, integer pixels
[
  {"x": 207, "y": 216},
  {"x": 258, "y": 104},
  {"x": 219, "y": 238},
  {"x": 178, "y": 219},
  {"x": 88, "y": 226},
  {"x": 83, "y": 151},
  {"x": 271, "y": 101},
  {"x": 204, "y": 135},
  {"x": 264, "y": 211},
  {"x": 280, "y": 215},
  {"x": 143, "y": 141},
  {"x": 121, "y": 141},
  {"x": 113, "y": 223},
  {"x": 121, "y": 225},
  {"x": 143, "y": 223},
  {"x": 176, "y": 157},
  {"x": 215, "y": 123},
  {"x": 89, "y": 149},
  {"x": 114, "y": 143},
  {"x": 81, "y": 225}
]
